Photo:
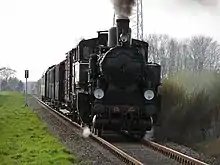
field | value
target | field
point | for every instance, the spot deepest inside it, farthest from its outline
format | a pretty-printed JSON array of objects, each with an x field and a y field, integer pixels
[{"x": 24, "y": 139}]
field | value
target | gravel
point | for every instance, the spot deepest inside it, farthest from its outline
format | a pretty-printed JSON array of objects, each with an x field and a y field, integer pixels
[
  {"x": 146, "y": 155},
  {"x": 190, "y": 152},
  {"x": 139, "y": 151},
  {"x": 85, "y": 149}
]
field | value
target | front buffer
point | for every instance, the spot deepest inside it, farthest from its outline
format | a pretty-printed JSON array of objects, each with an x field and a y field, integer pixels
[{"x": 121, "y": 118}]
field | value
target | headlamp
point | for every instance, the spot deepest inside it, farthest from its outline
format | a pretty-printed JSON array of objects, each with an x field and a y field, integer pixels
[
  {"x": 99, "y": 93},
  {"x": 124, "y": 37},
  {"x": 148, "y": 94}
]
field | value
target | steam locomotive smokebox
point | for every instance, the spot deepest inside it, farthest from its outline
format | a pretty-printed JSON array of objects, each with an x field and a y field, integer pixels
[{"x": 112, "y": 37}]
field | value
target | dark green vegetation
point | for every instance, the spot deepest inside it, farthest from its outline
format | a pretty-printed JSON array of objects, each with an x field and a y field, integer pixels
[
  {"x": 191, "y": 109},
  {"x": 23, "y": 137}
]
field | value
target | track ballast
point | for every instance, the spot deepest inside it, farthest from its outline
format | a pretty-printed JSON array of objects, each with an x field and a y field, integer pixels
[{"x": 131, "y": 151}]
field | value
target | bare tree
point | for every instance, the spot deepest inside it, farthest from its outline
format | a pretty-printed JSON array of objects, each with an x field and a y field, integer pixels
[
  {"x": 6, "y": 73},
  {"x": 158, "y": 50},
  {"x": 199, "y": 46},
  {"x": 194, "y": 54},
  {"x": 213, "y": 56},
  {"x": 173, "y": 52},
  {"x": 153, "y": 41},
  {"x": 185, "y": 56}
]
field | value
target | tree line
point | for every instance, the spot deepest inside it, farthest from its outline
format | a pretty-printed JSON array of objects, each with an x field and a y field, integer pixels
[
  {"x": 8, "y": 80},
  {"x": 198, "y": 53}
]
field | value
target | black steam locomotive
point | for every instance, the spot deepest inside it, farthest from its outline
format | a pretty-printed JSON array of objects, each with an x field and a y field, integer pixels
[{"x": 107, "y": 83}]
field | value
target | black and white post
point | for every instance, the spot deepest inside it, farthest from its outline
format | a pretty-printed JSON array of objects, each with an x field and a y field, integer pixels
[{"x": 26, "y": 77}]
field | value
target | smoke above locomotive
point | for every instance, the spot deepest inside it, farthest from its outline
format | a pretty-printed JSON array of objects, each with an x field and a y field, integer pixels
[
  {"x": 121, "y": 34},
  {"x": 123, "y": 8}
]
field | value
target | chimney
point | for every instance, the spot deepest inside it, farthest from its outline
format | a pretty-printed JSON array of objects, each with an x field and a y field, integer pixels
[
  {"x": 123, "y": 30},
  {"x": 121, "y": 34}
]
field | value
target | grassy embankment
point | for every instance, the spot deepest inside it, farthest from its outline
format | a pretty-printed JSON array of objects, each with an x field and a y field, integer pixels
[
  {"x": 191, "y": 110},
  {"x": 24, "y": 139}
]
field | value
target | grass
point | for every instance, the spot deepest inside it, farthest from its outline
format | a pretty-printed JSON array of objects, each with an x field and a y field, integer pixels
[{"x": 24, "y": 139}]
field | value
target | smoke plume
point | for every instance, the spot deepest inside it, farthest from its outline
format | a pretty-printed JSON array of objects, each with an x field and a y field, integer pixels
[{"x": 123, "y": 8}]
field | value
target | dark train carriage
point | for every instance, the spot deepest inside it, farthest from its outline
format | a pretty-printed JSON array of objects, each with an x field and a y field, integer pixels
[
  {"x": 65, "y": 81},
  {"x": 68, "y": 78},
  {"x": 47, "y": 97},
  {"x": 59, "y": 83},
  {"x": 52, "y": 84},
  {"x": 48, "y": 84}
]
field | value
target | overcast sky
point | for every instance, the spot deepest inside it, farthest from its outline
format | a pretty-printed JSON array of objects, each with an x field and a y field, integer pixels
[{"x": 35, "y": 34}]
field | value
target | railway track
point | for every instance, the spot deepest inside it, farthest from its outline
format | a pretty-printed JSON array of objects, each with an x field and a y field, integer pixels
[{"x": 133, "y": 152}]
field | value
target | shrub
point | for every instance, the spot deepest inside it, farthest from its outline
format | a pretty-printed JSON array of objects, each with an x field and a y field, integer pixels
[{"x": 190, "y": 107}]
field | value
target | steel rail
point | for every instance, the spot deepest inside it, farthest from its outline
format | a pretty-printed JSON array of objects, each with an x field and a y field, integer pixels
[
  {"x": 168, "y": 152},
  {"x": 179, "y": 157},
  {"x": 114, "y": 150}
]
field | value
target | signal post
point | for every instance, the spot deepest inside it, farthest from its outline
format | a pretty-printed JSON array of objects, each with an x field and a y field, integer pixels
[{"x": 26, "y": 77}]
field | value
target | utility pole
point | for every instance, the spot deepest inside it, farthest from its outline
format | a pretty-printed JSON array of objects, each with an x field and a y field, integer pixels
[
  {"x": 136, "y": 21},
  {"x": 26, "y": 77}
]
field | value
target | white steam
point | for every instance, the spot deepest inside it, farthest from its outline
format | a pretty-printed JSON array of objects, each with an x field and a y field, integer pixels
[{"x": 86, "y": 132}]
